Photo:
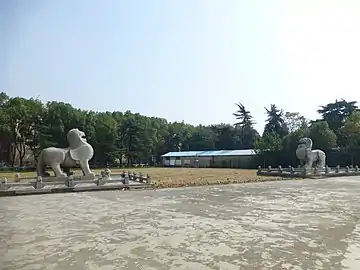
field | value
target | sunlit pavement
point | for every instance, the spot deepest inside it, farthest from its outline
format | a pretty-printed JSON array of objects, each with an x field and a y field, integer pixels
[{"x": 300, "y": 224}]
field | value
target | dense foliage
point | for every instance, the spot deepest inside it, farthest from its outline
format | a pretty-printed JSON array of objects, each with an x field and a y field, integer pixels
[{"x": 127, "y": 138}]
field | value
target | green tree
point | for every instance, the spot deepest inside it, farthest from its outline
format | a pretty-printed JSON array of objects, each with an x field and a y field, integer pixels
[
  {"x": 202, "y": 138},
  {"x": 248, "y": 136},
  {"x": 269, "y": 142},
  {"x": 350, "y": 132},
  {"x": 225, "y": 137},
  {"x": 290, "y": 143},
  {"x": 244, "y": 128},
  {"x": 322, "y": 136},
  {"x": 351, "y": 129},
  {"x": 178, "y": 135},
  {"x": 275, "y": 121},
  {"x": 4, "y": 121},
  {"x": 59, "y": 118},
  {"x": 34, "y": 126},
  {"x": 160, "y": 129},
  {"x": 106, "y": 150},
  {"x": 243, "y": 116},
  {"x": 295, "y": 121},
  {"x": 134, "y": 135},
  {"x": 335, "y": 114},
  {"x": 21, "y": 122},
  {"x": 137, "y": 138}
]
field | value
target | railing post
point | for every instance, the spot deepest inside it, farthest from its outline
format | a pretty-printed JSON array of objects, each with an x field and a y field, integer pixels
[
  {"x": 17, "y": 177},
  {"x": 38, "y": 183},
  {"x": 148, "y": 179},
  {"x": 3, "y": 184},
  {"x": 292, "y": 171},
  {"x": 126, "y": 179},
  {"x": 69, "y": 182},
  {"x": 269, "y": 168},
  {"x": 305, "y": 171},
  {"x": 337, "y": 169},
  {"x": 356, "y": 168},
  {"x": 106, "y": 174},
  {"x": 280, "y": 169},
  {"x": 100, "y": 181}
]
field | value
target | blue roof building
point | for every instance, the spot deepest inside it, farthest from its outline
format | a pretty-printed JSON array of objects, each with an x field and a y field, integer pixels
[{"x": 218, "y": 158}]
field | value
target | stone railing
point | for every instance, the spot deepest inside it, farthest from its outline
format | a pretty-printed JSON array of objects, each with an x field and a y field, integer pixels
[
  {"x": 306, "y": 172},
  {"x": 105, "y": 181}
]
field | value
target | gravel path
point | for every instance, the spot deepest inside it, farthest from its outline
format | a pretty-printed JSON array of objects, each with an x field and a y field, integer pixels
[{"x": 300, "y": 224}]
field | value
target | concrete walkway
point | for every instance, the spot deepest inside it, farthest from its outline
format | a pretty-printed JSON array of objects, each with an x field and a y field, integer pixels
[{"x": 307, "y": 224}]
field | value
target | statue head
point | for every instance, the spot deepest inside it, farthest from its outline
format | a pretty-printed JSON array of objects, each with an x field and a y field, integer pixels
[
  {"x": 79, "y": 148},
  {"x": 76, "y": 138},
  {"x": 305, "y": 143}
]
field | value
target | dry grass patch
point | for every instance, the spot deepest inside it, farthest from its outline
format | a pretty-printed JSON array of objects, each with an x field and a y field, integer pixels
[{"x": 181, "y": 177}]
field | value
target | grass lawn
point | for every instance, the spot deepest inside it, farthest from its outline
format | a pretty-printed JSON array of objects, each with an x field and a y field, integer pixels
[{"x": 180, "y": 177}]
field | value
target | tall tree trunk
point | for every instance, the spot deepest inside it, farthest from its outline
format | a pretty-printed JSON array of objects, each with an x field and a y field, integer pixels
[
  {"x": 22, "y": 151},
  {"x": 13, "y": 148},
  {"x": 121, "y": 160}
]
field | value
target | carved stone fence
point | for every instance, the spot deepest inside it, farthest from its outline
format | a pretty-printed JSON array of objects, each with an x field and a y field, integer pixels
[
  {"x": 105, "y": 181},
  {"x": 308, "y": 173}
]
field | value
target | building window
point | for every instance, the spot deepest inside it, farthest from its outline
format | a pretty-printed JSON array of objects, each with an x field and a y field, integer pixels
[{"x": 177, "y": 158}]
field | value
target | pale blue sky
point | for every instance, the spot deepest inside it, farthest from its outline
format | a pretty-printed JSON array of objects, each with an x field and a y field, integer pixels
[{"x": 185, "y": 60}]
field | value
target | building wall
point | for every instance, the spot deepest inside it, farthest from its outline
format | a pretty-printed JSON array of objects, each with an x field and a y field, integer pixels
[
  {"x": 232, "y": 161},
  {"x": 209, "y": 162},
  {"x": 179, "y": 162}
]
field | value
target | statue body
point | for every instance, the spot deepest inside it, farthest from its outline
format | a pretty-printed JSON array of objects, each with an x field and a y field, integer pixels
[
  {"x": 309, "y": 157},
  {"x": 77, "y": 154}
]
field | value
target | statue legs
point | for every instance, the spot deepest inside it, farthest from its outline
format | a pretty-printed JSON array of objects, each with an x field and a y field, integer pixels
[
  {"x": 84, "y": 164},
  {"x": 321, "y": 159},
  {"x": 57, "y": 170},
  {"x": 302, "y": 163},
  {"x": 309, "y": 163}
]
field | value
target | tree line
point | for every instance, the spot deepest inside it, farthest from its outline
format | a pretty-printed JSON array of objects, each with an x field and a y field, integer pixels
[{"x": 126, "y": 138}]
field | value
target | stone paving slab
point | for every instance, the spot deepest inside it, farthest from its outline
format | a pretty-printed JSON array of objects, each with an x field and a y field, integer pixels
[{"x": 296, "y": 224}]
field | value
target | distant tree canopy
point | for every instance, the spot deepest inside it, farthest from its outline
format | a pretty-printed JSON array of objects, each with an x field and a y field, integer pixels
[{"x": 136, "y": 138}]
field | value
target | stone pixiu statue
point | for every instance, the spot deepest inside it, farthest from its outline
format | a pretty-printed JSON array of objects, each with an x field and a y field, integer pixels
[
  {"x": 309, "y": 157},
  {"x": 78, "y": 154}
]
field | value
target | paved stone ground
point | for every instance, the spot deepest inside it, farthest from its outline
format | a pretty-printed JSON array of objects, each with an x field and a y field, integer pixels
[{"x": 307, "y": 224}]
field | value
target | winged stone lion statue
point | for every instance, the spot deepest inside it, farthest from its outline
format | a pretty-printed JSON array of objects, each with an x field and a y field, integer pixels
[
  {"x": 77, "y": 154},
  {"x": 309, "y": 157}
]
